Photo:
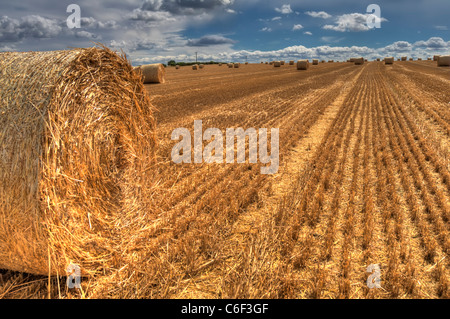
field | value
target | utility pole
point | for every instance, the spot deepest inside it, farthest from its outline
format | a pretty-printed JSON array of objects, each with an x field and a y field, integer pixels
[{"x": 196, "y": 57}]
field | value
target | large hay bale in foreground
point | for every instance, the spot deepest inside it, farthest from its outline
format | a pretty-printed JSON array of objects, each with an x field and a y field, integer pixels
[
  {"x": 152, "y": 73},
  {"x": 389, "y": 60},
  {"x": 359, "y": 61},
  {"x": 443, "y": 60},
  {"x": 76, "y": 149},
  {"x": 302, "y": 65}
]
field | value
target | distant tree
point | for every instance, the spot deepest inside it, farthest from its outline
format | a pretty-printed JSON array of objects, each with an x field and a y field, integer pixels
[{"x": 171, "y": 63}]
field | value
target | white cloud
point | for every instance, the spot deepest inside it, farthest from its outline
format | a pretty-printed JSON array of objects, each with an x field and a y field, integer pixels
[
  {"x": 320, "y": 14},
  {"x": 297, "y": 27},
  {"x": 441, "y": 27},
  {"x": 285, "y": 9},
  {"x": 276, "y": 18},
  {"x": 266, "y": 29},
  {"x": 307, "y": 33},
  {"x": 352, "y": 22}
]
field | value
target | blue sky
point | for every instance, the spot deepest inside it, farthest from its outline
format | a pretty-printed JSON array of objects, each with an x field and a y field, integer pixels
[{"x": 230, "y": 30}]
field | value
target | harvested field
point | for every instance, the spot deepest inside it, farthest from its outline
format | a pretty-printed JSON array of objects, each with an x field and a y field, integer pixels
[{"x": 364, "y": 179}]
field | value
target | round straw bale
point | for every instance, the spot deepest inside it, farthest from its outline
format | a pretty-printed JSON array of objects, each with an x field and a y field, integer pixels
[
  {"x": 177, "y": 66},
  {"x": 237, "y": 65},
  {"x": 389, "y": 60},
  {"x": 291, "y": 62},
  {"x": 195, "y": 67},
  {"x": 404, "y": 58},
  {"x": 277, "y": 64},
  {"x": 359, "y": 61},
  {"x": 419, "y": 59},
  {"x": 230, "y": 65},
  {"x": 378, "y": 59},
  {"x": 152, "y": 73},
  {"x": 444, "y": 60},
  {"x": 282, "y": 62},
  {"x": 201, "y": 66},
  {"x": 315, "y": 61},
  {"x": 77, "y": 147},
  {"x": 220, "y": 64},
  {"x": 302, "y": 65},
  {"x": 436, "y": 57}
]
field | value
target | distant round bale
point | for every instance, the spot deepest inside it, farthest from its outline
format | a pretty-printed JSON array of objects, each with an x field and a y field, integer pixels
[
  {"x": 230, "y": 65},
  {"x": 237, "y": 65},
  {"x": 359, "y": 61},
  {"x": 404, "y": 58},
  {"x": 444, "y": 60},
  {"x": 220, "y": 64},
  {"x": 378, "y": 59},
  {"x": 76, "y": 156},
  {"x": 177, "y": 67},
  {"x": 302, "y": 65},
  {"x": 389, "y": 60},
  {"x": 201, "y": 66},
  {"x": 195, "y": 67},
  {"x": 436, "y": 57},
  {"x": 277, "y": 64},
  {"x": 291, "y": 62},
  {"x": 315, "y": 61},
  {"x": 152, "y": 73},
  {"x": 282, "y": 62}
]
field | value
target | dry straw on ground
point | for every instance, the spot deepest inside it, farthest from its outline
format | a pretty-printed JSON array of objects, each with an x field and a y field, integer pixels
[
  {"x": 444, "y": 60},
  {"x": 152, "y": 73},
  {"x": 77, "y": 144}
]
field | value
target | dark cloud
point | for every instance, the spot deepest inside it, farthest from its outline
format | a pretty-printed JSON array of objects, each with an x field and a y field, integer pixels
[
  {"x": 184, "y": 7},
  {"x": 209, "y": 40},
  {"x": 33, "y": 26}
]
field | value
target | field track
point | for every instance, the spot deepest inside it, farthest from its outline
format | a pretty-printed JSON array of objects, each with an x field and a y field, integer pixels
[{"x": 364, "y": 179}]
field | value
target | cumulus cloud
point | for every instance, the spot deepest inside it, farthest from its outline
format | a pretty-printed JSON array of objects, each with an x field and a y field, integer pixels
[
  {"x": 433, "y": 43},
  {"x": 352, "y": 22},
  {"x": 325, "y": 52},
  {"x": 307, "y": 33},
  {"x": 209, "y": 40},
  {"x": 320, "y": 14},
  {"x": 152, "y": 16},
  {"x": 285, "y": 9},
  {"x": 184, "y": 7},
  {"x": 87, "y": 35},
  {"x": 297, "y": 27},
  {"x": 276, "y": 18},
  {"x": 29, "y": 26}
]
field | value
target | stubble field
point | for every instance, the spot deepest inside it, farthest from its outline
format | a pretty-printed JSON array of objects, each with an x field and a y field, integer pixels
[{"x": 364, "y": 179}]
